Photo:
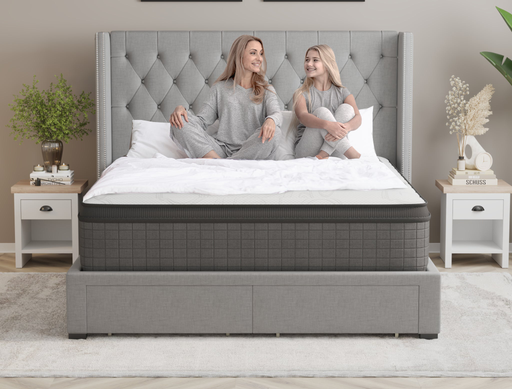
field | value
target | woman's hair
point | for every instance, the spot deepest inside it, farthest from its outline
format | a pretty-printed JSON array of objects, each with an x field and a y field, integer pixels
[
  {"x": 235, "y": 62},
  {"x": 329, "y": 60}
]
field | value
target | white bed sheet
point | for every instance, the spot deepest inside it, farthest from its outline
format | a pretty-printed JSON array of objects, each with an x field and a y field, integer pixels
[{"x": 404, "y": 195}]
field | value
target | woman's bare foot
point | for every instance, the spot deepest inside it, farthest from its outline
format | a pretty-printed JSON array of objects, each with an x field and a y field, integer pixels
[
  {"x": 211, "y": 155},
  {"x": 322, "y": 155}
]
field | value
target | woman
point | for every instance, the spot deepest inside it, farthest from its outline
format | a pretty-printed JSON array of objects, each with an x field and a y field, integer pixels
[
  {"x": 327, "y": 111},
  {"x": 245, "y": 104}
]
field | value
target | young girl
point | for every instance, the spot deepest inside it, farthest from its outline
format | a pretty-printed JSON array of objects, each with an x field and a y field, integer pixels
[
  {"x": 245, "y": 104},
  {"x": 327, "y": 111}
]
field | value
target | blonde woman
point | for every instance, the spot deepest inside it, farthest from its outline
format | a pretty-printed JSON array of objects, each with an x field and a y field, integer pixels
[
  {"x": 327, "y": 111},
  {"x": 245, "y": 105}
]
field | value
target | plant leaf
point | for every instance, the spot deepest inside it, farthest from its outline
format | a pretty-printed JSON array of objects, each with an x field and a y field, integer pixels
[
  {"x": 504, "y": 65},
  {"x": 506, "y": 16}
]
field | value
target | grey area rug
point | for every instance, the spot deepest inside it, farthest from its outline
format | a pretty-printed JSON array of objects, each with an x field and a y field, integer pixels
[{"x": 475, "y": 340}]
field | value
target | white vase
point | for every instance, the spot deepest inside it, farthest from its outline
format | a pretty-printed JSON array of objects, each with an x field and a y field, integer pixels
[{"x": 461, "y": 163}]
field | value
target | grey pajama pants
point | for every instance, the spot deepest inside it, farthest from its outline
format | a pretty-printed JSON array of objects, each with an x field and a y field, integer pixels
[
  {"x": 198, "y": 143},
  {"x": 313, "y": 139}
]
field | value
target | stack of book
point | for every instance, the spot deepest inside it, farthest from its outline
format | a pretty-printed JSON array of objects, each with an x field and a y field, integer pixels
[
  {"x": 60, "y": 178},
  {"x": 472, "y": 177}
]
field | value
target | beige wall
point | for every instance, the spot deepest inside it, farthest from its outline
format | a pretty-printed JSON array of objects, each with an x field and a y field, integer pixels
[{"x": 50, "y": 37}]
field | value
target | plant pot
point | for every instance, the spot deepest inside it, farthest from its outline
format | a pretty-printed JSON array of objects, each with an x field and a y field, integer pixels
[{"x": 52, "y": 153}]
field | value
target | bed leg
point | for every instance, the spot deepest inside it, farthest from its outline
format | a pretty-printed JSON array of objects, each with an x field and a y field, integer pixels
[
  {"x": 227, "y": 333},
  {"x": 428, "y": 336},
  {"x": 77, "y": 336},
  {"x": 278, "y": 334},
  {"x": 396, "y": 334}
]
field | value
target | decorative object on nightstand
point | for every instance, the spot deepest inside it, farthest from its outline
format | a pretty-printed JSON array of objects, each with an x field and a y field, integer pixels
[
  {"x": 480, "y": 164},
  {"x": 46, "y": 219},
  {"x": 504, "y": 66},
  {"x": 475, "y": 220},
  {"x": 65, "y": 177},
  {"x": 51, "y": 117},
  {"x": 467, "y": 118}
]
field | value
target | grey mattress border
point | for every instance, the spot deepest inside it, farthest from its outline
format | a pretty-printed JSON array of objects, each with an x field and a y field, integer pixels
[{"x": 402, "y": 213}]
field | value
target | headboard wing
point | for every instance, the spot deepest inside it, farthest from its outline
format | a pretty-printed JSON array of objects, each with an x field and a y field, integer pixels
[{"x": 145, "y": 74}]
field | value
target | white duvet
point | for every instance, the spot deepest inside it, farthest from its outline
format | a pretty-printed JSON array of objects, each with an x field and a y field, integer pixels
[{"x": 223, "y": 177}]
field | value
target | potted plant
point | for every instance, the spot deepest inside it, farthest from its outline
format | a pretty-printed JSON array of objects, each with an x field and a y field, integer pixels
[
  {"x": 504, "y": 65},
  {"x": 51, "y": 117}
]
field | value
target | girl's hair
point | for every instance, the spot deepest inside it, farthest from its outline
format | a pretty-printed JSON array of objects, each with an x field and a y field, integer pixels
[
  {"x": 329, "y": 60},
  {"x": 235, "y": 63}
]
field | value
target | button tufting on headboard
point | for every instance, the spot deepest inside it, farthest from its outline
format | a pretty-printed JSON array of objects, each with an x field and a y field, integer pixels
[{"x": 168, "y": 68}]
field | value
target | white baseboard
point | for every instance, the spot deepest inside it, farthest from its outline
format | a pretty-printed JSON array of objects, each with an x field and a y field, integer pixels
[
  {"x": 6, "y": 248},
  {"x": 436, "y": 248}
]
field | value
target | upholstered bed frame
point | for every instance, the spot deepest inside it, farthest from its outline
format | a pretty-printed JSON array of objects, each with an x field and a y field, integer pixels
[{"x": 145, "y": 75}]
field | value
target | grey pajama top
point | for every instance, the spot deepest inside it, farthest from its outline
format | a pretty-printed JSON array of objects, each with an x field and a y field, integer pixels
[{"x": 239, "y": 117}]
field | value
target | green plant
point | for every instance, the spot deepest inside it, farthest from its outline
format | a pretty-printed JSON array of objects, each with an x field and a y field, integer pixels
[
  {"x": 504, "y": 65},
  {"x": 52, "y": 114}
]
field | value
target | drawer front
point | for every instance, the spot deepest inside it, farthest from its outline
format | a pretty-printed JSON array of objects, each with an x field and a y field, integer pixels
[
  {"x": 344, "y": 309},
  {"x": 463, "y": 209},
  {"x": 171, "y": 309},
  {"x": 60, "y": 209}
]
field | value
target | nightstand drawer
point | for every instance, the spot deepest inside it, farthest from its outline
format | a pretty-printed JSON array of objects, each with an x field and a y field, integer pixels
[
  {"x": 56, "y": 209},
  {"x": 472, "y": 209}
]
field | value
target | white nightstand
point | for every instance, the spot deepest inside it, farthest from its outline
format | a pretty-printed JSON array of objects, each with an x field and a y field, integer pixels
[
  {"x": 46, "y": 219},
  {"x": 475, "y": 220}
]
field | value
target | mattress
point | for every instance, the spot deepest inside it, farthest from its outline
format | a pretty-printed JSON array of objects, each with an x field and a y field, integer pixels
[{"x": 344, "y": 230}]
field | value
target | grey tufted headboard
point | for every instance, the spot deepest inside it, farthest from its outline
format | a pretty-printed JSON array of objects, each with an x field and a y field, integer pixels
[{"x": 145, "y": 74}]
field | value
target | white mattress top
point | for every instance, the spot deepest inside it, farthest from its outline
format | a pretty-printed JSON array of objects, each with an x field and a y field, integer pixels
[{"x": 350, "y": 197}]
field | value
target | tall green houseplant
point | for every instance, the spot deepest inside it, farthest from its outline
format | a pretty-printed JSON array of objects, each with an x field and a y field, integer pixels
[
  {"x": 504, "y": 65},
  {"x": 51, "y": 117}
]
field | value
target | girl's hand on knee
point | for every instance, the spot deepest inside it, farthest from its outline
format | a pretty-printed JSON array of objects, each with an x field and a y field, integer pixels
[
  {"x": 175, "y": 119},
  {"x": 337, "y": 130},
  {"x": 268, "y": 130}
]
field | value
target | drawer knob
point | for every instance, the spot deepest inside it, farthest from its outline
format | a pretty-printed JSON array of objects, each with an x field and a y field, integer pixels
[
  {"x": 46, "y": 208},
  {"x": 478, "y": 208}
]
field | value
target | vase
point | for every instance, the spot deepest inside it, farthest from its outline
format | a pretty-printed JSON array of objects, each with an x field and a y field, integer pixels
[
  {"x": 461, "y": 163},
  {"x": 52, "y": 153}
]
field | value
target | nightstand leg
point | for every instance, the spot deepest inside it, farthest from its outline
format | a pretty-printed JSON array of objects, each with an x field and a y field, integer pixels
[
  {"x": 501, "y": 259},
  {"x": 446, "y": 231},
  {"x": 22, "y": 259},
  {"x": 22, "y": 234}
]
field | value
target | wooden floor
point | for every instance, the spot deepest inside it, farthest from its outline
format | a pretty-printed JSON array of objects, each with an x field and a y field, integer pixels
[{"x": 62, "y": 262}]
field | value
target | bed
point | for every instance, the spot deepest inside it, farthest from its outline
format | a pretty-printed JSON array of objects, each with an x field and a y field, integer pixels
[{"x": 295, "y": 262}]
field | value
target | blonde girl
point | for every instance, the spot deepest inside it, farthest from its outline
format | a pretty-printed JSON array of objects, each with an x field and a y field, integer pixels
[
  {"x": 327, "y": 111},
  {"x": 245, "y": 105}
]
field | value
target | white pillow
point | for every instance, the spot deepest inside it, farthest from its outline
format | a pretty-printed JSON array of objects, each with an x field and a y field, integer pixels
[
  {"x": 362, "y": 138},
  {"x": 149, "y": 138}
]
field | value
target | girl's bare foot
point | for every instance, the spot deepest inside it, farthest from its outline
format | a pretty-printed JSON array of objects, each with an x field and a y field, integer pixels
[
  {"x": 322, "y": 155},
  {"x": 352, "y": 153}
]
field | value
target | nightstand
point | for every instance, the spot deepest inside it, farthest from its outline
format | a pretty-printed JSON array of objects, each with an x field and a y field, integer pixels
[
  {"x": 475, "y": 220},
  {"x": 46, "y": 219}
]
